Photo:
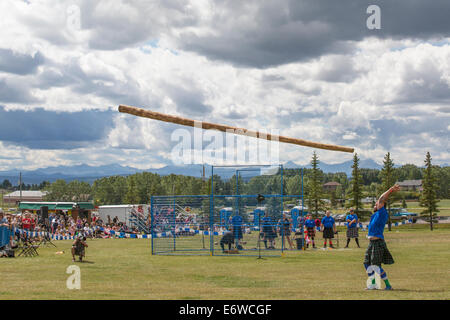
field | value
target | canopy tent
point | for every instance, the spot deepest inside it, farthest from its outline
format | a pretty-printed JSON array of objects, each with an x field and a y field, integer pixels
[{"x": 56, "y": 205}]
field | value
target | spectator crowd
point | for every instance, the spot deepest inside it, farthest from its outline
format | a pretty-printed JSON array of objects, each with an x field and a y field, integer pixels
[{"x": 62, "y": 224}]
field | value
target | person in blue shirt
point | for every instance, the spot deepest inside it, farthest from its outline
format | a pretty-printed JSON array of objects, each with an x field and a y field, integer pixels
[
  {"x": 328, "y": 226},
  {"x": 268, "y": 231},
  {"x": 236, "y": 223},
  {"x": 284, "y": 227},
  {"x": 377, "y": 251},
  {"x": 352, "y": 227},
  {"x": 310, "y": 225},
  {"x": 301, "y": 223}
]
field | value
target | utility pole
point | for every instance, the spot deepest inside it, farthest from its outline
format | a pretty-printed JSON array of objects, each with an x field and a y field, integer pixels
[{"x": 20, "y": 185}]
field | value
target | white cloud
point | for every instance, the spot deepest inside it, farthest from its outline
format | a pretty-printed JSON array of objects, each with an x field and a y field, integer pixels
[{"x": 129, "y": 53}]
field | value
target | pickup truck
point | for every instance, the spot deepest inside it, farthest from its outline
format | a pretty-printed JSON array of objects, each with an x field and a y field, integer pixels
[{"x": 403, "y": 214}]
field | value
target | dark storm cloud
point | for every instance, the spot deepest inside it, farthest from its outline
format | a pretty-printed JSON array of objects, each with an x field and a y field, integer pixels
[
  {"x": 262, "y": 34},
  {"x": 72, "y": 76},
  {"x": 41, "y": 129},
  {"x": 18, "y": 63},
  {"x": 131, "y": 23}
]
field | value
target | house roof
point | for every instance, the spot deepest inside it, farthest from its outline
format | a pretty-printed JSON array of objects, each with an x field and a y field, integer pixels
[
  {"x": 410, "y": 183},
  {"x": 332, "y": 183},
  {"x": 26, "y": 194}
]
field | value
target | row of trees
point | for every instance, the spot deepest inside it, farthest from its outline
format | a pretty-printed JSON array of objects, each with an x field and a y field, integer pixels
[
  {"x": 7, "y": 185},
  {"x": 388, "y": 175},
  {"x": 137, "y": 188}
]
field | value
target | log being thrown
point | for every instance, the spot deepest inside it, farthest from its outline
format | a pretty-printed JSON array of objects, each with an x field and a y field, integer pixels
[{"x": 224, "y": 128}]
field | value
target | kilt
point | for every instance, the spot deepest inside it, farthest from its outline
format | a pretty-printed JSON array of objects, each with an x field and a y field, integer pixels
[
  {"x": 311, "y": 231},
  {"x": 79, "y": 250},
  {"x": 269, "y": 233},
  {"x": 237, "y": 232},
  {"x": 328, "y": 233},
  {"x": 377, "y": 253},
  {"x": 352, "y": 232},
  {"x": 285, "y": 232}
]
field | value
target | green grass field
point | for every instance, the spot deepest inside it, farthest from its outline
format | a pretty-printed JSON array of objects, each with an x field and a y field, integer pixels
[
  {"x": 443, "y": 206},
  {"x": 124, "y": 269}
]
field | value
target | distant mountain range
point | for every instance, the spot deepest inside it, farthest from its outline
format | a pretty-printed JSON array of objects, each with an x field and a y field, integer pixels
[{"x": 89, "y": 173}]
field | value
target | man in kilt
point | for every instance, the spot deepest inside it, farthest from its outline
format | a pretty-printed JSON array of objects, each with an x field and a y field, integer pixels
[
  {"x": 78, "y": 247},
  {"x": 310, "y": 225},
  {"x": 236, "y": 223},
  {"x": 328, "y": 226},
  {"x": 352, "y": 227},
  {"x": 377, "y": 251},
  {"x": 268, "y": 231},
  {"x": 284, "y": 226}
]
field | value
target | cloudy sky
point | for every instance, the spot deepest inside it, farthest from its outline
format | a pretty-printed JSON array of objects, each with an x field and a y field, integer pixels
[{"x": 309, "y": 69}]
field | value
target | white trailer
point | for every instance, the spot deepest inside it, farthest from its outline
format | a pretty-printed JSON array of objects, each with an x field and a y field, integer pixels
[{"x": 123, "y": 212}]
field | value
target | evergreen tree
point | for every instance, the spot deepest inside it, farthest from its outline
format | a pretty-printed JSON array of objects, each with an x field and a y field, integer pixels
[
  {"x": 356, "y": 189},
  {"x": 6, "y": 184},
  {"x": 428, "y": 199},
  {"x": 315, "y": 202},
  {"x": 387, "y": 178}
]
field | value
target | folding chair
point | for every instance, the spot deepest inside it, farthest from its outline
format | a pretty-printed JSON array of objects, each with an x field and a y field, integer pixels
[
  {"x": 45, "y": 240},
  {"x": 29, "y": 249}
]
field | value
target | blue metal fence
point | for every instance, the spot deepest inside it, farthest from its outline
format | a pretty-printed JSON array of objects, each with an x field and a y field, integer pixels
[{"x": 223, "y": 222}]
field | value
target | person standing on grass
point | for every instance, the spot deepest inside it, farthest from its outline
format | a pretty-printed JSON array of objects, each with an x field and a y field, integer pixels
[
  {"x": 284, "y": 226},
  {"x": 352, "y": 227},
  {"x": 377, "y": 251},
  {"x": 310, "y": 225},
  {"x": 268, "y": 231},
  {"x": 236, "y": 222},
  {"x": 328, "y": 226}
]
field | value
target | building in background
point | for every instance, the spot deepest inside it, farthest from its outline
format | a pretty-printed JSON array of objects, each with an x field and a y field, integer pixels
[
  {"x": 14, "y": 198},
  {"x": 410, "y": 185},
  {"x": 330, "y": 186}
]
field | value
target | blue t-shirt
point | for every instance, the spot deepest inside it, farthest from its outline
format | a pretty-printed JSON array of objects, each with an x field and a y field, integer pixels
[
  {"x": 310, "y": 223},
  {"x": 236, "y": 221},
  {"x": 267, "y": 221},
  {"x": 328, "y": 222},
  {"x": 377, "y": 222},
  {"x": 351, "y": 217}
]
